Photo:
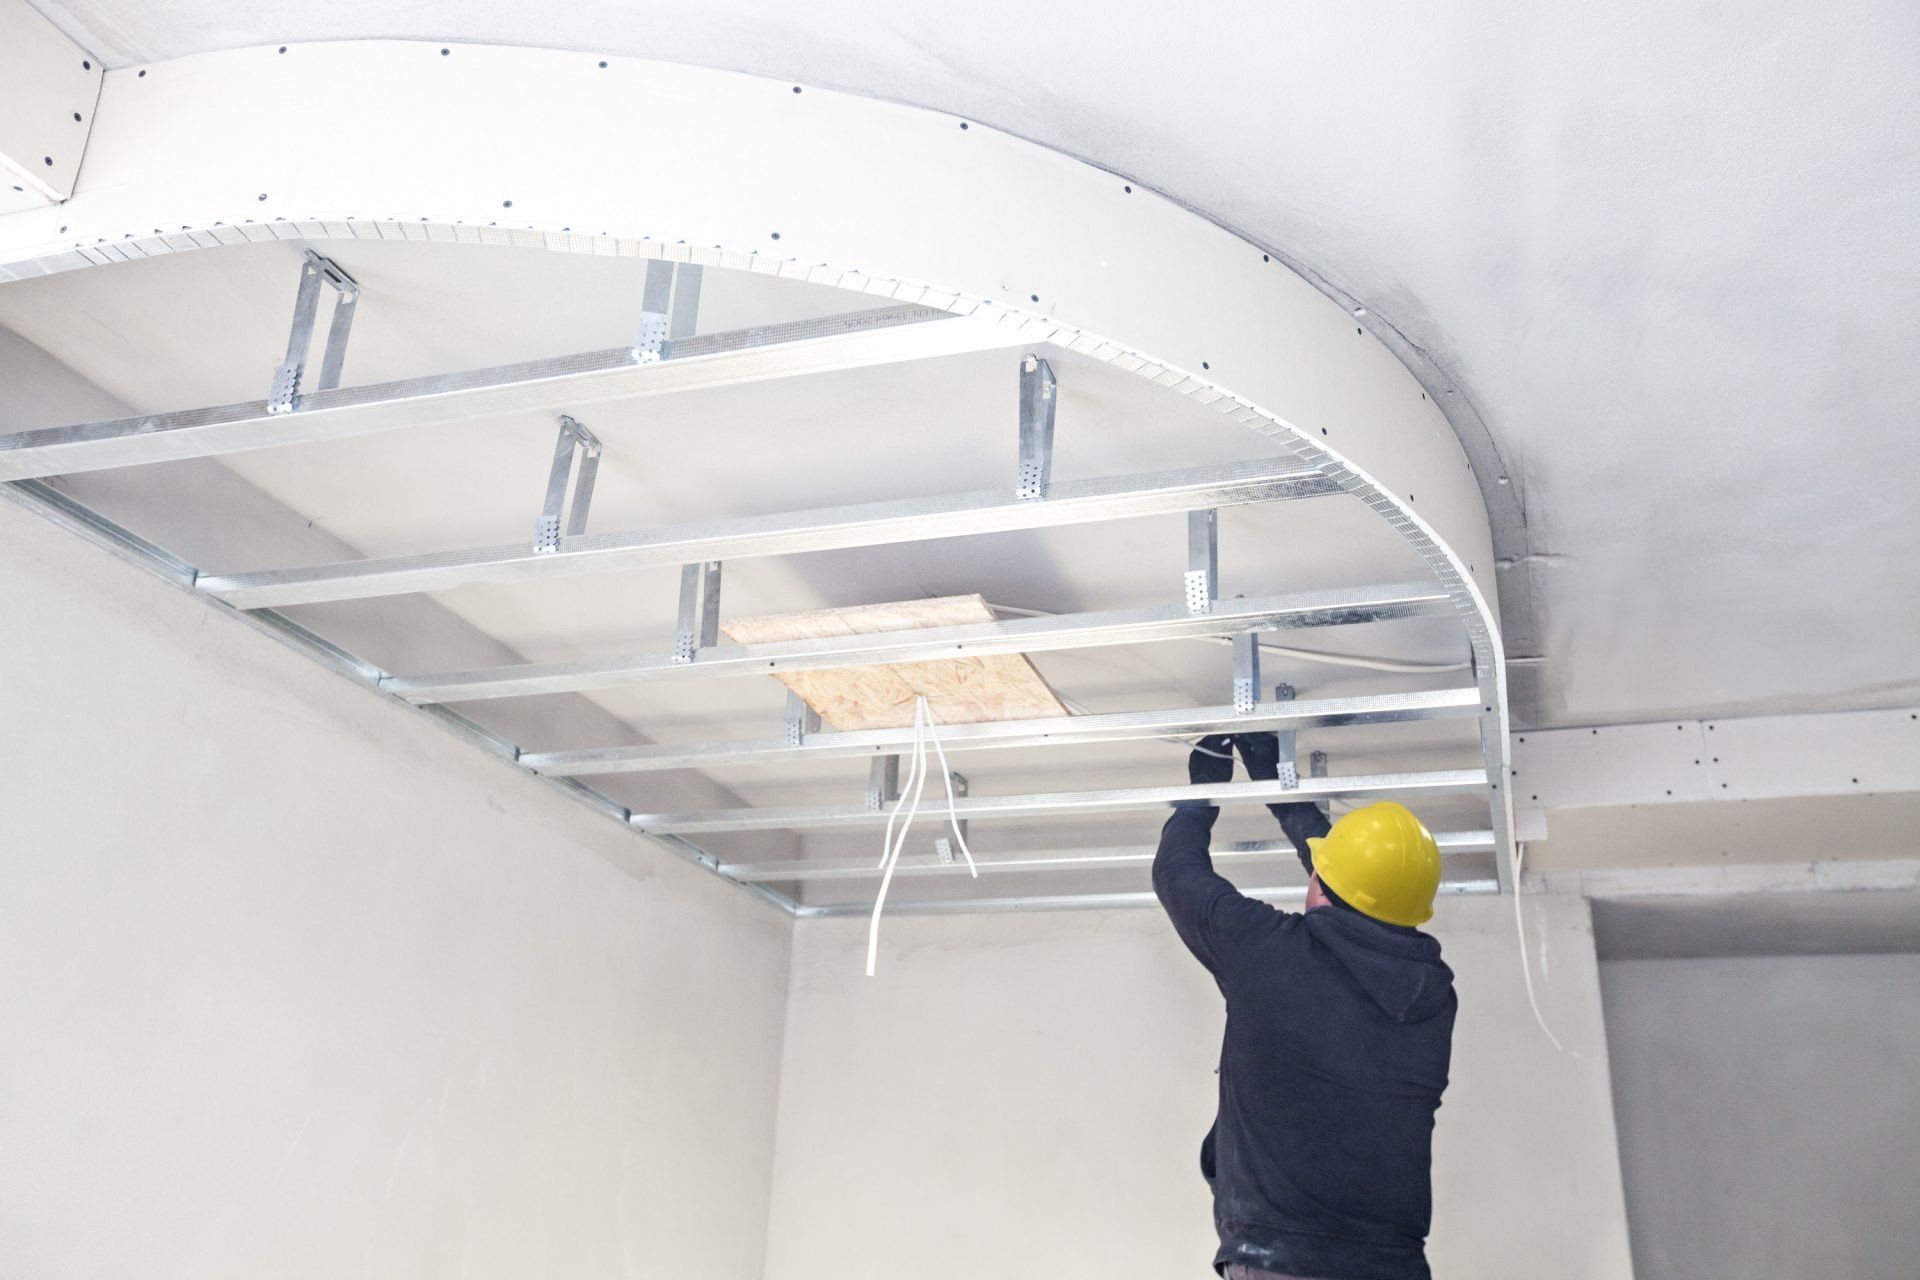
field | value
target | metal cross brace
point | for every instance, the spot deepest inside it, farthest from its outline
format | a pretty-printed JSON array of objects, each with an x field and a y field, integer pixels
[
  {"x": 1317, "y": 768},
  {"x": 314, "y": 271},
  {"x": 699, "y": 621},
  {"x": 1037, "y": 400},
  {"x": 1203, "y": 561},
  {"x": 573, "y": 441}
]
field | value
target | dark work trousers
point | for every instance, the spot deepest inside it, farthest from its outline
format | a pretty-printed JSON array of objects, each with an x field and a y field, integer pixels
[{"x": 1241, "y": 1271}]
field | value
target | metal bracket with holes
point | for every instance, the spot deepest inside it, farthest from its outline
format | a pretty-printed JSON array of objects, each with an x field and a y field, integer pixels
[
  {"x": 802, "y": 721},
  {"x": 883, "y": 782},
  {"x": 284, "y": 396},
  {"x": 574, "y": 443},
  {"x": 1037, "y": 399},
  {"x": 669, "y": 307},
  {"x": 1202, "y": 579},
  {"x": 698, "y": 626},
  {"x": 1246, "y": 672}
]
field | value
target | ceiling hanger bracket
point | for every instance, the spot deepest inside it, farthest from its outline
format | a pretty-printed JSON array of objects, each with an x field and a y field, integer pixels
[
  {"x": 1246, "y": 672},
  {"x": 1289, "y": 740},
  {"x": 315, "y": 271},
  {"x": 1038, "y": 398},
  {"x": 574, "y": 444},
  {"x": 1202, "y": 579},
  {"x": 698, "y": 625}
]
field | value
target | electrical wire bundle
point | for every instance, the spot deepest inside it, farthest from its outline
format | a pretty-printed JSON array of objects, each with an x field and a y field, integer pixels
[{"x": 909, "y": 806}]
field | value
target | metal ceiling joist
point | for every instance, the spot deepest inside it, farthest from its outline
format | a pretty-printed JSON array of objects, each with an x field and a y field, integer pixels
[
  {"x": 808, "y": 869},
  {"x": 1338, "y": 607},
  {"x": 1079, "y": 901},
  {"x": 1110, "y": 727},
  {"x": 863, "y": 339},
  {"x": 860, "y": 525},
  {"x": 1055, "y": 804}
]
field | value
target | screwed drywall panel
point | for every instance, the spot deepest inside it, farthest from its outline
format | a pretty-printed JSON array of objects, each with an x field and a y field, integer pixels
[
  {"x": 48, "y": 86},
  {"x": 303, "y": 985},
  {"x": 1024, "y": 1096},
  {"x": 1844, "y": 753}
]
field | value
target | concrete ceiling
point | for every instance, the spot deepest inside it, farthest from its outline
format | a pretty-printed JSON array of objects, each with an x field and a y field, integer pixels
[
  {"x": 1660, "y": 260},
  {"x": 1783, "y": 924}
]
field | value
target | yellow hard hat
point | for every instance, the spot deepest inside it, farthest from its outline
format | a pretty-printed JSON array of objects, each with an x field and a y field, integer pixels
[{"x": 1380, "y": 860}]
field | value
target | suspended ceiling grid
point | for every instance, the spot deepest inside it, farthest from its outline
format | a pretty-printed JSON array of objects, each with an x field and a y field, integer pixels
[
  {"x": 1605, "y": 233},
  {"x": 206, "y": 328}
]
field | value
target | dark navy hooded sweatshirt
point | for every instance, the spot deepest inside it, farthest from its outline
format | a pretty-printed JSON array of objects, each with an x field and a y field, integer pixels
[{"x": 1339, "y": 1031}]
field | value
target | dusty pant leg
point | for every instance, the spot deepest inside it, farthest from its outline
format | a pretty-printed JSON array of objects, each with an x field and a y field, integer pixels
[{"x": 1241, "y": 1271}]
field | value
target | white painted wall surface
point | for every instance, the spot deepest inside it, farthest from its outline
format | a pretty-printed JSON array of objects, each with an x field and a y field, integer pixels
[
  {"x": 300, "y": 985},
  {"x": 1023, "y": 1096},
  {"x": 1769, "y": 1114}
]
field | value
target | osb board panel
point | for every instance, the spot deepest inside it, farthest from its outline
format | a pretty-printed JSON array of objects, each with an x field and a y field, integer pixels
[{"x": 958, "y": 690}]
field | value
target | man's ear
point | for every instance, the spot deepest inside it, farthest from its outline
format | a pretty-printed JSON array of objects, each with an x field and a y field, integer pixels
[{"x": 1316, "y": 896}]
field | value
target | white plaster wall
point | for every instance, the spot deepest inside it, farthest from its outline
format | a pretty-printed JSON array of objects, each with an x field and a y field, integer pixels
[
  {"x": 298, "y": 984},
  {"x": 1769, "y": 1114},
  {"x": 1024, "y": 1096}
]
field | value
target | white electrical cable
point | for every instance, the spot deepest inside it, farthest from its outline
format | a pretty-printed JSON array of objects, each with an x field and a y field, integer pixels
[
  {"x": 1368, "y": 663},
  {"x": 913, "y": 768},
  {"x": 1520, "y": 931},
  {"x": 1355, "y": 660},
  {"x": 916, "y": 784},
  {"x": 890, "y": 858},
  {"x": 1080, "y": 708}
]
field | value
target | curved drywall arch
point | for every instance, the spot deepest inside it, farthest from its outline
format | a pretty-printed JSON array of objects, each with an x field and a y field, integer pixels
[{"x": 570, "y": 152}]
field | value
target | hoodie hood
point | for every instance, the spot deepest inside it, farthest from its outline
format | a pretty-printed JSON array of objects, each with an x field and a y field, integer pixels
[{"x": 1400, "y": 969}]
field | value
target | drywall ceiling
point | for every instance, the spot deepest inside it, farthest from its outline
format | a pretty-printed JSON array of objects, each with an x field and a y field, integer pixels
[
  {"x": 1665, "y": 255},
  {"x": 207, "y": 328}
]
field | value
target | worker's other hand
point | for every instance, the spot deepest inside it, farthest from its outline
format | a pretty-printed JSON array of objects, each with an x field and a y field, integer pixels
[
  {"x": 1211, "y": 761},
  {"x": 1261, "y": 752}
]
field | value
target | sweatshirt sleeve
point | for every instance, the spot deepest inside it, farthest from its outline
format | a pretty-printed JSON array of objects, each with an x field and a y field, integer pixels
[
  {"x": 1212, "y": 917},
  {"x": 1301, "y": 821}
]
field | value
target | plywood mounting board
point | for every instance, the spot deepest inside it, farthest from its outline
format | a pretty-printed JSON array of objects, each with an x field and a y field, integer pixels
[{"x": 958, "y": 690}]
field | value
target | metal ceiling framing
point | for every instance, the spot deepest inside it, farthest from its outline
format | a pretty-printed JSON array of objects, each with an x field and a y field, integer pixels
[
  {"x": 1110, "y": 727},
  {"x": 803, "y": 869},
  {"x": 832, "y": 529},
  {"x": 1342, "y": 607},
  {"x": 862, "y": 339},
  {"x": 668, "y": 356},
  {"x": 1067, "y": 803}
]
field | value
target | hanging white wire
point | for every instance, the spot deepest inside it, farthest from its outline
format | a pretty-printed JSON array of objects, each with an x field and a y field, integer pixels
[
  {"x": 1520, "y": 931},
  {"x": 1366, "y": 662},
  {"x": 908, "y": 806}
]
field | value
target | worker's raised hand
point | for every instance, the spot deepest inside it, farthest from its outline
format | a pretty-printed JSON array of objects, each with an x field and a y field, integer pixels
[
  {"x": 1261, "y": 752},
  {"x": 1211, "y": 761}
]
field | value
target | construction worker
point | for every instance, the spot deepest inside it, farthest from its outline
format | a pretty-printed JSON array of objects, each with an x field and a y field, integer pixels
[{"x": 1339, "y": 1030}]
